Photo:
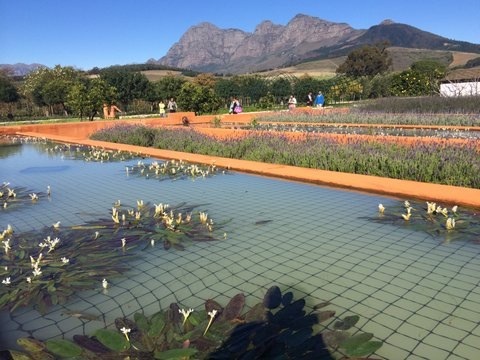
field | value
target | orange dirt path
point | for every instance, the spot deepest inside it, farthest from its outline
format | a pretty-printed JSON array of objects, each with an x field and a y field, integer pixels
[{"x": 406, "y": 190}]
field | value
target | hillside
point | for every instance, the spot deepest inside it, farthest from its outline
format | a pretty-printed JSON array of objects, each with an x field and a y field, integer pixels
[{"x": 207, "y": 48}]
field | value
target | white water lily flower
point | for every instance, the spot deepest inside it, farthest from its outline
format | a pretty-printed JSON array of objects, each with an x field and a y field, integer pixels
[
  {"x": 407, "y": 216},
  {"x": 185, "y": 314},
  {"x": 104, "y": 283},
  {"x": 454, "y": 209},
  {"x": 124, "y": 242},
  {"x": 445, "y": 212},
  {"x": 65, "y": 260},
  {"x": 6, "y": 281},
  {"x": 381, "y": 208},
  {"x": 36, "y": 272},
  {"x": 212, "y": 316},
  {"x": 125, "y": 332},
  {"x": 6, "y": 246},
  {"x": 29, "y": 279},
  {"x": 450, "y": 224},
  {"x": 431, "y": 206},
  {"x": 56, "y": 225},
  {"x": 33, "y": 196}
]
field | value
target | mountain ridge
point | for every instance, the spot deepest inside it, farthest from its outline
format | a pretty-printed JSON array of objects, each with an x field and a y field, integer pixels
[{"x": 205, "y": 47}]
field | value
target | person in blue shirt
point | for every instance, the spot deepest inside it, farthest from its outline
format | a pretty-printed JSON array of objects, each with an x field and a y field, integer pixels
[{"x": 319, "y": 100}]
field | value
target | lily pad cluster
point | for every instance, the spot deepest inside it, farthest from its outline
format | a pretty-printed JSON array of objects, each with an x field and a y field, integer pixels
[
  {"x": 89, "y": 153},
  {"x": 447, "y": 223},
  {"x": 13, "y": 197},
  {"x": 278, "y": 327},
  {"x": 173, "y": 170},
  {"x": 46, "y": 267}
]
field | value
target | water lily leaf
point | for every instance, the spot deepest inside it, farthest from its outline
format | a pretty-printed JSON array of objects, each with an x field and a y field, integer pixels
[
  {"x": 175, "y": 354},
  {"x": 356, "y": 340},
  {"x": 63, "y": 348},
  {"x": 325, "y": 315},
  {"x": 273, "y": 298},
  {"x": 234, "y": 307},
  {"x": 16, "y": 355},
  {"x": 112, "y": 339},
  {"x": 141, "y": 321},
  {"x": 91, "y": 344},
  {"x": 364, "y": 348},
  {"x": 157, "y": 325},
  {"x": 197, "y": 317},
  {"x": 256, "y": 313},
  {"x": 321, "y": 305},
  {"x": 31, "y": 345},
  {"x": 346, "y": 323},
  {"x": 287, "y": 298},
  {"x": 334, "y": 338}
]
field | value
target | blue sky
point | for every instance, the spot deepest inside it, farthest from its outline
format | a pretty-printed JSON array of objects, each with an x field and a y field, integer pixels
[{"x": 89, "y": 33}]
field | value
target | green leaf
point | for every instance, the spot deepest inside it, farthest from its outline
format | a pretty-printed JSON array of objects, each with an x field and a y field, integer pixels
[
  {"x": 63, "y": 348},
  {"x": 112, "y": 339},
  {"x": 175, "y": 354},
  {"x": 347, "y": 323},
  {"x": 31, "y": 345},
  {"x": 141, "y": 321},
  {"x": 364, "y": 348},
  {"x": 356, "y": 340},
  {"x": 158, "y": 323}
]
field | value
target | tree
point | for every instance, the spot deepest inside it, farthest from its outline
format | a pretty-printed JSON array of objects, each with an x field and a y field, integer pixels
[
  {"x": 8, "y": 91},
  {"x": 87, "y": 97},
  {"x": 253, "y": 87},
  {"x": 50, "y": 87},
  {"x": 129, "y": 85},
  {"x": 197, "y": 98},
  {"x": 366, "y": 61},
  {"x": 169, "y": 86},
  {"x": 281, "y": 88}
]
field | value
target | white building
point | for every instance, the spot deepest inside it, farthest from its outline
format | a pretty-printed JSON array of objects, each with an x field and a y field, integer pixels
[{"x": 461, "y": 82}]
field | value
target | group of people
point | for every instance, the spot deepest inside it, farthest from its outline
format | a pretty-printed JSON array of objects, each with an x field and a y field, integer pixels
[
  {"x": 319, "y": 100},
  {"x": 171, "y": 107}
]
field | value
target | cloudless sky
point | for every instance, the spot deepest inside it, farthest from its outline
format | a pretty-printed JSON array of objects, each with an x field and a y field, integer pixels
[{"x": 89, "y": 33}]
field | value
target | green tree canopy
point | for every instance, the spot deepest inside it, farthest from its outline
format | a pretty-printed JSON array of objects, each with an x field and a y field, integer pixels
[
  {"x": 366, "y": 61},
  {"x": 8, "y": 91},
  {"x": 129, "y": 85}
]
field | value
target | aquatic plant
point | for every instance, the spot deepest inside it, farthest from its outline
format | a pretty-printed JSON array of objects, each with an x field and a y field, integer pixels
[
  {"x": 278, "y": 327},
  {"x": 447, "y": 224},
  {"x": 88, "y": 153},
  {"x": 172, "y": 169},
  {"x": 48, "y": 266},
  {"x": 14, "y": 197}
]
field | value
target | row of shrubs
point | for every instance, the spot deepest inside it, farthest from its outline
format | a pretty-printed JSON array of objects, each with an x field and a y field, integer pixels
[{"x": 442, "y": 163}]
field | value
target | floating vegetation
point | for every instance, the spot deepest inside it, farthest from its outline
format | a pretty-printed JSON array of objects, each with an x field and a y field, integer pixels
[
  {"x": 89, "y": 153},
  {"x": 46, "y": 267},
  {"x": 278, "y": 327},
  {"x": 13, "y": 197},
  {"x": 172, "y": 169},
  {"x": 449, "y": 224}
]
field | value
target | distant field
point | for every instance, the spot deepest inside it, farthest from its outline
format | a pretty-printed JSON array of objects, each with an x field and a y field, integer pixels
[{"x": 155, "y": 75}]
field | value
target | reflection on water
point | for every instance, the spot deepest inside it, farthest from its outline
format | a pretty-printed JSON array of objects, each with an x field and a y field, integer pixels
[{"x": 419, "y": 296}]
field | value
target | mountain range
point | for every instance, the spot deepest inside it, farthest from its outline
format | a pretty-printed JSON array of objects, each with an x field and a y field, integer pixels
[{"x": 205, "y": 47}]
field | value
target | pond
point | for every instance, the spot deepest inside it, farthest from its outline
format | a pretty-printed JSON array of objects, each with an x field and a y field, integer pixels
[{"x": 416, "y": 293}]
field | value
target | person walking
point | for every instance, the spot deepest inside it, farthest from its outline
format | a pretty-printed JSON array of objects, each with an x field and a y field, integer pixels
[
  {"x": 161, "y": 108},
  {"x": 319, "y": 100},
  {"x": 292, "y": 102},
  {"x": 172, "y": 106}
]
